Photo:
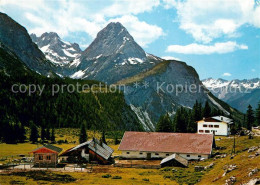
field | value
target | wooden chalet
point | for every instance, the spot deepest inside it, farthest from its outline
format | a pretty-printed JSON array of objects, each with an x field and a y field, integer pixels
[
  {"x": 46, "y": 155},
  {"x": 92, "y": 150}
]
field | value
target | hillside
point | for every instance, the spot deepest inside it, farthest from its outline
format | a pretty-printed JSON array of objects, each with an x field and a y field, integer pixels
[
  {"x": 103, "y": 111},
  {"x": 244, "y": 161}
]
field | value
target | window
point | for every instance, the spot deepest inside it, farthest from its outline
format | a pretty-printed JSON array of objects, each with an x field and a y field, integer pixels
[
  {"x": 40, "y": 157},
  {"x": 216, "y": 126},
  {"x": 205, "y": 125},
  {"x": 48, "y": 157},
  {"x": 201, "y": 131},
  {"x": 211, "y": 126},
  {"x": 167, "y": 154},
  {"x": 156, "y": 154},
  {"x": 141, "y": 153},
  {"x": 188, "y": 155},
  {"x": 206, "y": 131},
  {"x": 199, "y": 156},
  {"x": 127, "y": 152}
]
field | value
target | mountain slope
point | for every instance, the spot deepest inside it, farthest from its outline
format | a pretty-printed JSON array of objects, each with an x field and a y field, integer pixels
[
  {"x": 112, "y": 56},
  {"x": 59, "y": 52},
  {"x": 103, "y": 111},
  {"x": 163, "y": 89},
  {"x": 238, "y": 93},
  {"x": 16, "y": 38}
]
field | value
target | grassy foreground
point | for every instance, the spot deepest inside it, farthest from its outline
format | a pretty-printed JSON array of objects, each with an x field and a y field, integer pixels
[{"x": 114, "y": 175}]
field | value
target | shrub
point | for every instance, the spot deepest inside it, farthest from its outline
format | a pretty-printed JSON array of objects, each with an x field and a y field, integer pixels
[
  {"x": 167, "y": 176},
  {"x": 117, "y": 177},
  {"x": 106, "y": 176},
  {"x": 146, "y": 179}
]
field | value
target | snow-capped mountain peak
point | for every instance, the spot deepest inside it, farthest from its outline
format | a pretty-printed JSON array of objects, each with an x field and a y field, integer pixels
[
  {"x": 211, "y": 83},
  {"x": 55, "y": 49}
]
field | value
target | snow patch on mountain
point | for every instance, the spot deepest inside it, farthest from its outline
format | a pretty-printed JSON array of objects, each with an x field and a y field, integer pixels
[
  {"x": 78, "y": 74},
  {"x": 143, "y": 117},
  {"x": 58, "y": 51}
]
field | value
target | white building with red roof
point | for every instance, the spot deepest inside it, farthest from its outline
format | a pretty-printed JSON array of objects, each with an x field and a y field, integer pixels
[
  {"x": 158, "y": 145},
  {"x": 218, "y": 125}
]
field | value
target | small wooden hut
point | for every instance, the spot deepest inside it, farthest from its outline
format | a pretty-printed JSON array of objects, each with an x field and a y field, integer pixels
[{"x": 46, "y": 155}]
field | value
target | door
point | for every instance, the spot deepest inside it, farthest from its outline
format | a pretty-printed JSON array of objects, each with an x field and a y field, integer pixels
[{"x": 148, "y": 156}]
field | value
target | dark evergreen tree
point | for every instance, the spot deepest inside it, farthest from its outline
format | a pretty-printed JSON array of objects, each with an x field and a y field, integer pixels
[
  {"x": 164, "y": 124},
  {"x": 249, "y": 117},
  {"x": 47, "y": 133},
  {"x": 192, "y": 124},
  {"x": 206, "y": 110},
  {"x": 83, "y": 134},
  {"x": 103, "y": 138},
  {"x": 34, "y": 133},
  {"x": 258, "y": 115},
  {"x": 43, "y": 134},
  {"x": 52, "y": 135},
  {"x": 180, "y": 120},
  {"x": 21, "y": 133}
]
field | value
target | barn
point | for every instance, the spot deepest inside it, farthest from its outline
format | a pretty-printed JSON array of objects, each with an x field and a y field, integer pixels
[
  {"x": 159, "y": 145},
  {"x": 46, "y": 155},
  {"x": 92, "y": 150}
]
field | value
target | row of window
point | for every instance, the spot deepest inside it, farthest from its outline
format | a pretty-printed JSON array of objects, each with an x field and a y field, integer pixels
[
  {"x": 141, "y": 153},
  {"x": 207, "y": 131},
  {"x": 48, "y": 157},
  {"x": 211, "y": 126},
  {"x": 199, "y": 156}
]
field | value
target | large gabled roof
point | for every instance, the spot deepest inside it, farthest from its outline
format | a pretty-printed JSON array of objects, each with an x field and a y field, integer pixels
[
  {"x": 50, "y": 147},
  {"x": 167, "y": 142}
]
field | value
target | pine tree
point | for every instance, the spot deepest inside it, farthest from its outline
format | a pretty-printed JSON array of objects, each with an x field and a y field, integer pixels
[
  {"x": 103, "y": 138},
  {"x": 249, "y": 117},
  {"x": 43, "y": 135},
  {"x": 164, "y": 124},
  {"x": 206, "y": 110},
  {"x": 180, "y": 119},
  {"x": 83, "y": 134},
  {"x": 21, "y": 133},
  {"x": 34, "y": 133},
  {"x": 52, "y": 135},
  {"x": 47, "y": 133},
  {"x": 258, "y": 115}
]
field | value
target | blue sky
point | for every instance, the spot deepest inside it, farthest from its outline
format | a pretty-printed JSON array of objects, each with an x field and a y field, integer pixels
[{"x": 219, "y": 38}]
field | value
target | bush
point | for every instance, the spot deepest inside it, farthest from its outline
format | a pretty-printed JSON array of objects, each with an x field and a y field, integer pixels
[
  {"x": 106, "y": 176},
  {"x": 117, "y": 177},
  {"x": 167, "y": 176},
  {"x": 146, "y": 179}
]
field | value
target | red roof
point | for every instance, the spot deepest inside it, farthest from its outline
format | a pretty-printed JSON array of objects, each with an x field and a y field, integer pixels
[{"x": 167, "y": 142}]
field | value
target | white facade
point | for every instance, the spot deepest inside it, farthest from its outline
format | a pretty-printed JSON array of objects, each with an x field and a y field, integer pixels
[
  {"x": 219, "y": 128},
  {"x": 159, "y": 155}
]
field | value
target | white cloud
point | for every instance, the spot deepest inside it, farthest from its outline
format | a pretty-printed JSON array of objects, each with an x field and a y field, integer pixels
[
  {"x": 206, "y": 21},
  {"x": 68, "y": 17},
  {"x": 226, "y": 74},
  {"x": 199, "y": 49},
  {"x": 127, "y": 7},
  {"x": 170, "y": 58},
  {"x": 142, "y": 32}
]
